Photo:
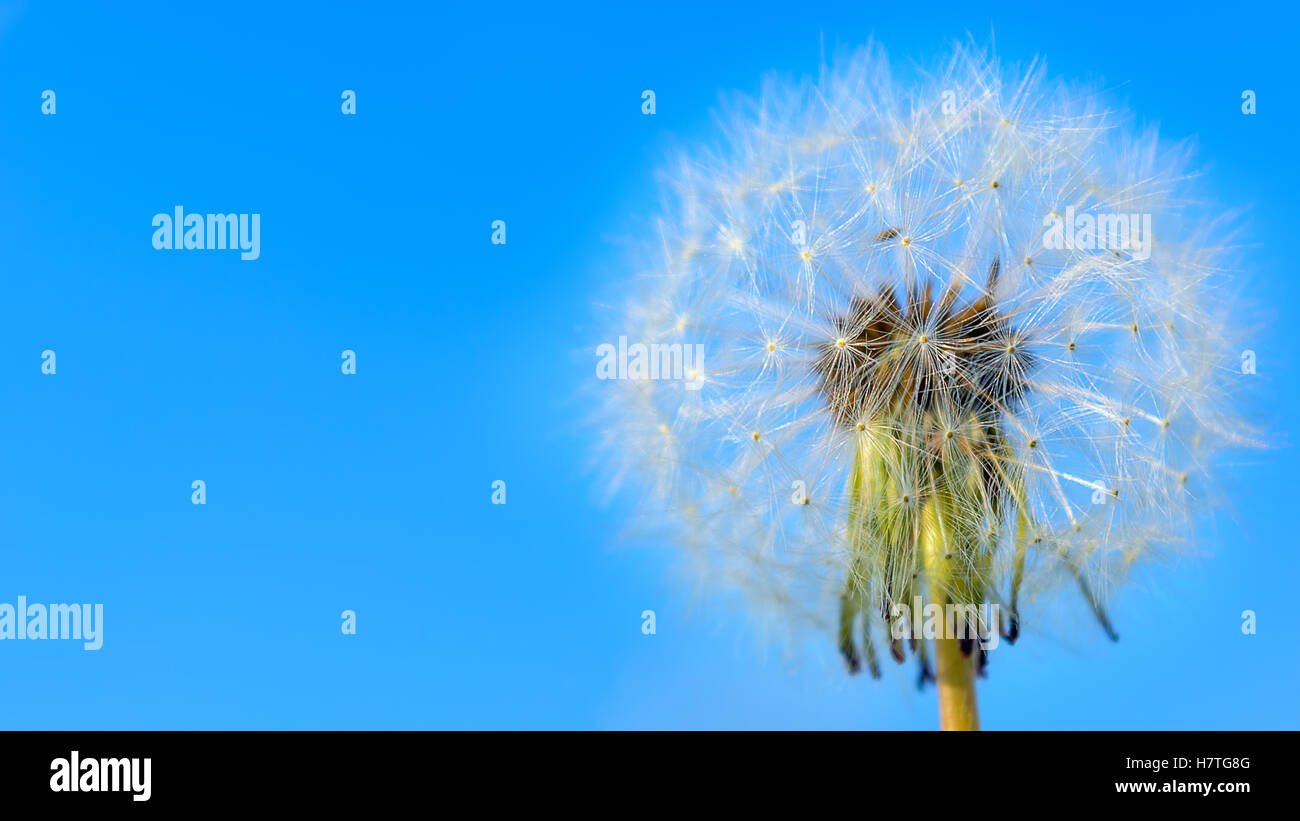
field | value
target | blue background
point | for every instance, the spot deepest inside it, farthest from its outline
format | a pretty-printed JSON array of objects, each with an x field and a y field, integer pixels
[{"x": 372, "y": 492}]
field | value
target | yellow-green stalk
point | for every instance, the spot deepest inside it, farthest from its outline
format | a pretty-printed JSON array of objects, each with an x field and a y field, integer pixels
[{"x": 954, "y": 670}]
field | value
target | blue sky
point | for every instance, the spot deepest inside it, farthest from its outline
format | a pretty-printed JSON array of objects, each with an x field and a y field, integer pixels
[{"x": 372, "y": 492}]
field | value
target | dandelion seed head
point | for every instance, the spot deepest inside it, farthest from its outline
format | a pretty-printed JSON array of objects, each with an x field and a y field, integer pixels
[{"x": 933, "y": 347}]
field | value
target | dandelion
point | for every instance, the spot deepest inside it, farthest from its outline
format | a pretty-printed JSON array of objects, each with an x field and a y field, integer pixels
[{"x": 980, "y": 406}]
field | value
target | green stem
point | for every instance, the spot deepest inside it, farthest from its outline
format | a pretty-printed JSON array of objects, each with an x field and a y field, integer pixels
[{"x": 954, "y": 670}]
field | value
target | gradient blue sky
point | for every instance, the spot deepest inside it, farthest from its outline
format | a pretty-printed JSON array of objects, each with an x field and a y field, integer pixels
[{"x": 371, "y": 492}]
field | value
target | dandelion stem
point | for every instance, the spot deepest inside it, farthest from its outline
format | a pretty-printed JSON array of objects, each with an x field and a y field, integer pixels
[
  {"x": 956, "y": 674},
  {"x": 954, "y": 670}
]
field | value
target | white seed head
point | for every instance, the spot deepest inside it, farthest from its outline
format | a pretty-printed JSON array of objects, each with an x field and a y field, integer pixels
[{"x": 1053, "y": 410}]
